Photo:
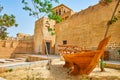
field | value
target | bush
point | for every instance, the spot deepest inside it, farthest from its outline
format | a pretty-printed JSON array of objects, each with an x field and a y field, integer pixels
[
  {"x": 10, "y": 70},
  {"x": 105, "y": 1}
]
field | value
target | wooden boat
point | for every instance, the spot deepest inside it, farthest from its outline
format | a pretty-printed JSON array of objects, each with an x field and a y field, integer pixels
[{"x": 83, "y": 62}]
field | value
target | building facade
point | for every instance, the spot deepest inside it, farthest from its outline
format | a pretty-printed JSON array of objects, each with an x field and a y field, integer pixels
[
  {"x": 42, "y": 37},
  {"x": 87, "y": 28},
  {"x": 63, "y": 11}
]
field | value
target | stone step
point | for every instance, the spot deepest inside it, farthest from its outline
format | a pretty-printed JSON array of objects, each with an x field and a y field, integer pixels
[
  {"x": 21, "y": 55},
  {"x": 113, "y": 64}
]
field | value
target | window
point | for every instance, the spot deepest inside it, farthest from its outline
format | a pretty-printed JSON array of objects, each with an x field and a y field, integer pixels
[
  {"x": 64, "y": 11},
  {"x": 66, "y": 17},
  {"x": 64, "y": 42},
  {"x": 56, "y": 12},
  {"x": 59, "y": 11}
]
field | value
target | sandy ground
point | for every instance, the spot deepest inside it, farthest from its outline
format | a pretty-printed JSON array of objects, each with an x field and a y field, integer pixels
[{"x": 57, "y": 72}]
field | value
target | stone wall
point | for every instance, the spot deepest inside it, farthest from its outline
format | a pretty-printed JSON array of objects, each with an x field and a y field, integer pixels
[
  {"x": 21, "y": 36},
  {"x": 87, "y": 27},
  {"x": 9, "y": 47},
  {"x": 113, "y": 49},
  {"x": 42, "y": 35}
]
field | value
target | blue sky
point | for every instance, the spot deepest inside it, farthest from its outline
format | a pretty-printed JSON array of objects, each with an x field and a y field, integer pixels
[{"x": 26, "y": 22}]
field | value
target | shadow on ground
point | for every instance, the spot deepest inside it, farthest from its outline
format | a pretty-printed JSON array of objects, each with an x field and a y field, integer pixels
[{"x": 59, "y": 73}]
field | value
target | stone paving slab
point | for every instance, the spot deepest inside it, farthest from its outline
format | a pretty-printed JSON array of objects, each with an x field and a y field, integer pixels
[
  {"x": 2, "y": 78},
  {"x": 113, "y": 64},
  {"x": 45, "y": 56},
  {"x": 4, "y": 61},
  {"x": 9, "y": 60},
  {"x": 21, "y": 65}
]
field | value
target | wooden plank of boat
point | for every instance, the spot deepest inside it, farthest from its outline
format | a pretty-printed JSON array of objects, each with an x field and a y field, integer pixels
[{"x": 85, "y": 61}]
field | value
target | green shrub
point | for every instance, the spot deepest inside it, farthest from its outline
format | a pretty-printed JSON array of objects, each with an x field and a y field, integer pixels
[
  {"x": 10, "y": 70},
  {"x": 105, "y": 1},
  {"x": 108, "y": 1},
  {"x": 103, "y": 63}
]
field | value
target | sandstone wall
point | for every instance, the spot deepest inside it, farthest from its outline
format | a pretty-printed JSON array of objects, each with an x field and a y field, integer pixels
[
  {"x": 37, "y": 36},
  {"x": 113, "y": 51},
  {"x": 40, "y": 38},
  {"x": 87, "y": 27},
  {"x": 9, "y": 47}
]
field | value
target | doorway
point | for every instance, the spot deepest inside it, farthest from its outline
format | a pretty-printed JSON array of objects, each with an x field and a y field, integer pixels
[{"x": 48, "y": 47}]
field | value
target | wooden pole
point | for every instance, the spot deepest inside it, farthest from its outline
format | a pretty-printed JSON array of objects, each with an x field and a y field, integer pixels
[
  {"x": 108, "y": 25},
  {"x": 106, "y": 32}
]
